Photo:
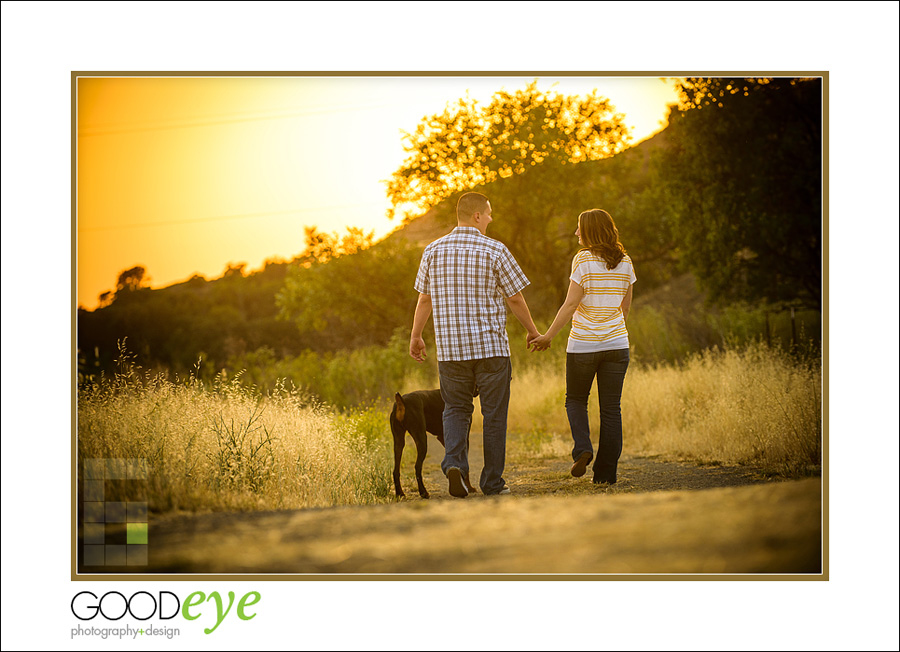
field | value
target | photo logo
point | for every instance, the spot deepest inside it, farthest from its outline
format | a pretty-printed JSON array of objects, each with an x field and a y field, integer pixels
[
  {"x": 113, "y": 513},
  {"x": 140, "y": 605},
  {"x": 165, "y": 605}
]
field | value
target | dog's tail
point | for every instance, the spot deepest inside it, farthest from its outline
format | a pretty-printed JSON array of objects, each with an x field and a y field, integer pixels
[{"x": 400, "y": 412}]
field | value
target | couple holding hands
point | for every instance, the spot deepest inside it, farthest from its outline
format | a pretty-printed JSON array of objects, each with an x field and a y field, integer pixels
[{"x": 463, "y": 281}]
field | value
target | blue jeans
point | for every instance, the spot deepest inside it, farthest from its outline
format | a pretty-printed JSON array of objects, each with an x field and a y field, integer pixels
[
  {"x": 609, "y": 368},
  {"x": 458, "y": 382}
]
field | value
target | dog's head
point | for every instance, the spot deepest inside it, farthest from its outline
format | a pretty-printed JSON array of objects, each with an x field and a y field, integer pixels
[{"x": 398, "y": 416}]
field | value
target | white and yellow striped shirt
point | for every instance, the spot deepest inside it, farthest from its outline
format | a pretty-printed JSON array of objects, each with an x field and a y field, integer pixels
[{"x": 598, "y": 323}]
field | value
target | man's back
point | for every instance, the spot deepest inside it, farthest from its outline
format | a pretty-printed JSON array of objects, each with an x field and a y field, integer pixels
[{"x": 468, "y": 276}]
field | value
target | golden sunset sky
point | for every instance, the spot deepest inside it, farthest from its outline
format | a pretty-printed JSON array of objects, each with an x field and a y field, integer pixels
[{"x": 184, "y": 175}]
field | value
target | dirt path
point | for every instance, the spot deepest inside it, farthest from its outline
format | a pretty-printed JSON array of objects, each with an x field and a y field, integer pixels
[
  {"x": 635, "y": 474},
  {"x": 536, "y": 475},
  {"x": 661, "y": 517}
]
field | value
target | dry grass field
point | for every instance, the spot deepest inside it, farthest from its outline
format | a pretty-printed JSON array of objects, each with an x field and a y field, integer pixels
[
  {"x": 222, "y": 446},
  {"x": 711, "y": 479}
]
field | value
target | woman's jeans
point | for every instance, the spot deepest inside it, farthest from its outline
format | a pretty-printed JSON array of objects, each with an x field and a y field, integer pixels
[{"x": 609, "y": 367}]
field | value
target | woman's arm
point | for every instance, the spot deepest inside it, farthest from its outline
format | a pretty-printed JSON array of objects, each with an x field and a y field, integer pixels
[
  {"x": 563, "y": 317},
  {"x": 626, "y": 302}
]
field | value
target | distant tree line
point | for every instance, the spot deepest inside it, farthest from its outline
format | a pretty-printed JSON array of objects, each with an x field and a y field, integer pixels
[{"x": 175, "y": 326}]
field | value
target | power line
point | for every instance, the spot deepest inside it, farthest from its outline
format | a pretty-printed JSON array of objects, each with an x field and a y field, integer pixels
[
  {"x": 108, "y": 227},
  {"x": 225, "y": 119}
]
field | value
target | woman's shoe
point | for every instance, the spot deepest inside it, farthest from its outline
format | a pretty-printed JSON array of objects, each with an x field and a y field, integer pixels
[{"x": 581, "y": 463}]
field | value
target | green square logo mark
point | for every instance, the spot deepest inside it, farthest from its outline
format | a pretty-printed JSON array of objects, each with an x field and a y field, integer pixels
[{"x": 137, "y": 533}]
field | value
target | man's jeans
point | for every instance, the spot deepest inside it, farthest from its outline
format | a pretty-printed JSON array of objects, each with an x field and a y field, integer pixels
[
  {"x": 609, "y": 367},
  {"x": 458, "y": 382}
]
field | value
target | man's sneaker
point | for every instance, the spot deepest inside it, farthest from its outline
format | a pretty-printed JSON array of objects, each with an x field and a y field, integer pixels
[
  {"x": 504, "y": 491},
  {"x": 457, "y": 486},
  {"x": 580, "y": 465}
]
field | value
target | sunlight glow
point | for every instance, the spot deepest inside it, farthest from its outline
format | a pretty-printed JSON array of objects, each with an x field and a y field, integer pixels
[{"x": 185, "y": 175}]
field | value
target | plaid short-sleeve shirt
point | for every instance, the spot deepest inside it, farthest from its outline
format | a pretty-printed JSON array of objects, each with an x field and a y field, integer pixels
[{"x": 468, "y": 275}]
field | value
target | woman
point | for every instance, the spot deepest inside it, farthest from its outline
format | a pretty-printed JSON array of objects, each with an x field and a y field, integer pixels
[{"x": 597, "y": 302}]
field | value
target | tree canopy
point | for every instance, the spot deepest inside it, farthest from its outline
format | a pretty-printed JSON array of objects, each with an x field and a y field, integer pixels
[
  {"x": 352, "y": 300},
  {"x": 470, "y": 145},
  {"x": 743, "y": 180},
  {"x": 131, "y": 279}
]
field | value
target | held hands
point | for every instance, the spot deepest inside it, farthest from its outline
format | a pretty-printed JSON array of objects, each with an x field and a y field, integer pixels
[
  {"x": 417, "y": 349},
  {"x": 538, "y": 342}
]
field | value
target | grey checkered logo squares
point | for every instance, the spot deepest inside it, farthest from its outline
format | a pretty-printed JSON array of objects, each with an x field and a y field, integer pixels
[
  {"x": 94, "y": 490},
  {"x": 135, "y": 555},
  {"x": 94, "y": 533},
  {"x": 136, "y": 512},
  {"x": 94, "y": 513},
  {"x": 95, "y": 469},
  {"x": 115, "y": 469},
  {"x": 93, "y": 555},
  {"x": 115, "y": 555},
  {"x": 115, "y": 512},
  {"x": 102, "y": 520}
]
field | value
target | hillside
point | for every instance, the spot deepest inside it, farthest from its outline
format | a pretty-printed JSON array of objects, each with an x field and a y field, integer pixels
[
  {"x": 233, "y": 316},
  {"x": 441, "y": 219}
]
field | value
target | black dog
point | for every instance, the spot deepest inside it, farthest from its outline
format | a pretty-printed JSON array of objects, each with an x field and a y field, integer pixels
[{"x": 418, "y": 413}]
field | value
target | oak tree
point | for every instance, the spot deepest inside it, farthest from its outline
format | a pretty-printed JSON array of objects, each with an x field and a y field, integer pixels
[{"x": 470, "y": 145}]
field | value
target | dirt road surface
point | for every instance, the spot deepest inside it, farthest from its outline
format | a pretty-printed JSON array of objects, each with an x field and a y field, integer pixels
[{"x": 661, "y": 518}]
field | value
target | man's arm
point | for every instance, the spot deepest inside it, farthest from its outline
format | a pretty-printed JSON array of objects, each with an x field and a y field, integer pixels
[
  {"x": 416, "y": 342},
  {"x": 519, "y": 308}
]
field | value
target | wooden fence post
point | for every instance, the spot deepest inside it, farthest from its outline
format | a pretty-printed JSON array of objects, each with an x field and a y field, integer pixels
[{"x": 793, "y": 330}]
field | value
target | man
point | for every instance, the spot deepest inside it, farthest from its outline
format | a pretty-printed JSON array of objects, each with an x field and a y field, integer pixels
[{"x": 464, "y": 278}]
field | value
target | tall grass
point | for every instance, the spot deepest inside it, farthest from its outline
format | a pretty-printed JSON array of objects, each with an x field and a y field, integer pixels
[
  {"x": 756, "y": 405},
  {"x": 220, "y": 445},
  {"x": 344, "y": 379},
  {"x": 753, "y": 406}
]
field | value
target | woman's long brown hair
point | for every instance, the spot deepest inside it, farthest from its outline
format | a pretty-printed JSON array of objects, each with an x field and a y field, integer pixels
[{"x": 600, "y": 236}]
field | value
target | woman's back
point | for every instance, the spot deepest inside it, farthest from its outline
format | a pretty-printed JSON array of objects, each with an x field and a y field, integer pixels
[{"x": 598, "y": 323}]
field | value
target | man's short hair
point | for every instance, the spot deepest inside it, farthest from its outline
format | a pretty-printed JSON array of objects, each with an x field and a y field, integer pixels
[{"x": 469, "y": 204}]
